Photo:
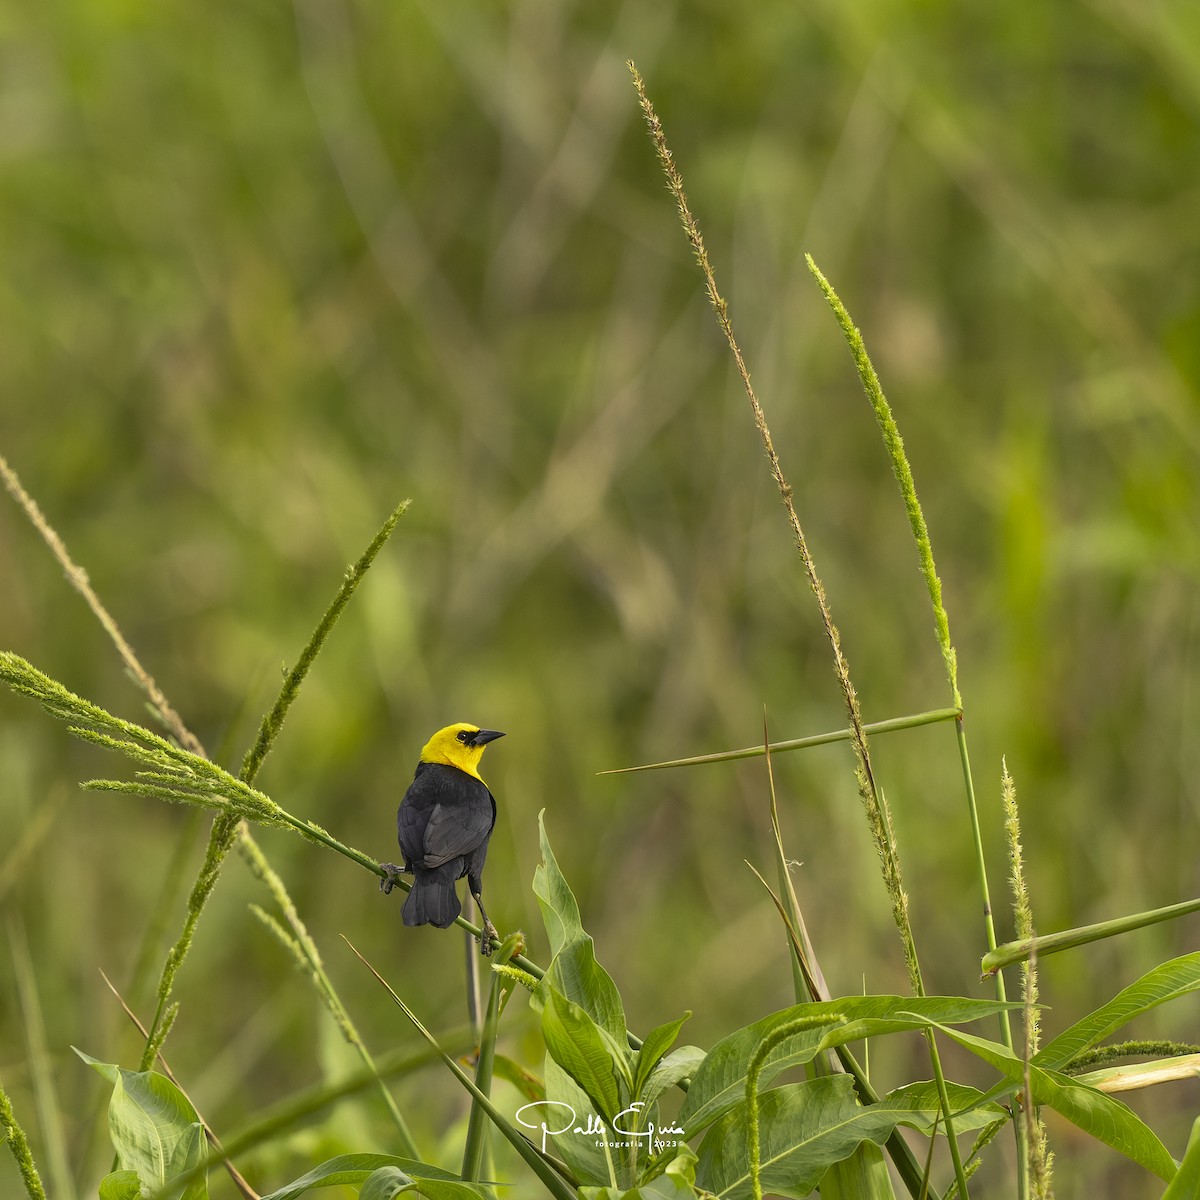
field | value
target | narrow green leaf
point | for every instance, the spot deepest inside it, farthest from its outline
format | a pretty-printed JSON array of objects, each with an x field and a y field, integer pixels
[
  {"x": 1168, "y": 981},
  {"x": 1098, "y": 1114},
  {"x": 1186, "y": 1184},
  {"x": 803, "y": 743},
  {"x": 657, "y": 1042},
  {"x": 385, "y": 1183},
  {"x": 575, "y": 1042},
  {"x": 551, "y": 1179},
  {"x": 682, "y": 1063},
  {"x": 1066, "y": 939},
  {"x": 719, "y": 1083},
  {"x": 355, "y": 1169}
]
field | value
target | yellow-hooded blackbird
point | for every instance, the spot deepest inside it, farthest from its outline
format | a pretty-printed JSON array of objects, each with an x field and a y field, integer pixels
[{"x": 443, "y": 824}]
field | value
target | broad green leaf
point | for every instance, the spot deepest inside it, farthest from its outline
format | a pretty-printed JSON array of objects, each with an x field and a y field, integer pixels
[
  {"x": 576, "y": 1043},
  {"x": 570, "y": 1134},
  {"x": 1169, "y": 981},
  {"x": 657, "y": 1042},
  {"x": 574, "y": 970},
  {"x": 560, "y": 910},
  {"x": 120, "y": 1185},
  {"x": 154, "y": 1129},
  {"x": 720, "y": 1081},
  {"x": 391, "y": 1181},
  {"x": 682, "y": 1063},
  {"x": 384, "y": 1184},
  {"x": 804, "y": 1128},
  {"x": 1186, "y": 1185},
  {"x": 921, "y": 1107},
  {"x": 575, "y": 973},
  {"x": 355, "y": 1169},
  {"x": 807, "y": 1128},
  {"x": 1095, "y": 1112}
]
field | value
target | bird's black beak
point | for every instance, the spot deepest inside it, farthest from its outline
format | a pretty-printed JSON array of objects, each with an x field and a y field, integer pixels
[{"x": 484, "y": 736}]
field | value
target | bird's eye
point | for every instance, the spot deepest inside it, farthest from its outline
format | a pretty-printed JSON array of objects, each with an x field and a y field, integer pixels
[{"x": 464, "y": 736}]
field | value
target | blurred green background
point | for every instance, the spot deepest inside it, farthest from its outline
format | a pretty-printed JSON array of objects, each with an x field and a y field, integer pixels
[{"x": 267, "y": 269}]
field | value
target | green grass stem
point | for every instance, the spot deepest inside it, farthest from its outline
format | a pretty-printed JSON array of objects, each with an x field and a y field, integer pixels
[
  {"x": 476, "y": 1148},
  {"x": 77, "y": 577},
  {"x": 226, "y": 828}
]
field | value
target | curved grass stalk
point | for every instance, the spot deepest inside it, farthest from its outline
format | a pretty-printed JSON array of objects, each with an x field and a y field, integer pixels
[{"x": 227, "y": 830}]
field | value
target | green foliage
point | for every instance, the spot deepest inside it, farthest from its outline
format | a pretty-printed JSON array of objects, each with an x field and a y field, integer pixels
[
  {"x": 156, "y": 1133},
  {"x": 254, "y": 281}
]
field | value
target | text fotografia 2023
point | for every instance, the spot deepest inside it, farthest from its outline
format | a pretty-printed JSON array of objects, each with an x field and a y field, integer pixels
[{"x": 565, "y": 1121}]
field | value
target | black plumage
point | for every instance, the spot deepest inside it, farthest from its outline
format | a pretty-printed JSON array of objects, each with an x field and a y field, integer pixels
[{"x": 443, "y": 824}]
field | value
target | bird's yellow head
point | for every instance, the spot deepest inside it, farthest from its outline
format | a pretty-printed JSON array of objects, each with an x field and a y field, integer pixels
[{"x": 460, "y": 746}]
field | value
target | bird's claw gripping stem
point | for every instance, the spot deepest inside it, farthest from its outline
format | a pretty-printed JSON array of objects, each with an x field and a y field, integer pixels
[
  {"x": 390, "y": 878},
  {"x": 490, "y": 933}
]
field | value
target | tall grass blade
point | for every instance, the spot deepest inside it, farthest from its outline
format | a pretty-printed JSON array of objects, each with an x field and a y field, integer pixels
[
  {"x": 475, "y": 1149},
  {"x": 803, "y": 743},
  {"x": 1067, "y": 939}
]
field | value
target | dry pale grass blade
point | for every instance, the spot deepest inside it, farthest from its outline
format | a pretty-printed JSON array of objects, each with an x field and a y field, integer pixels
[{"x": 77, "y": 577}]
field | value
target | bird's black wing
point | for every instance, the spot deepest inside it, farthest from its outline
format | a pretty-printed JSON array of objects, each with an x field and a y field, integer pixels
[{"x": 447, "y": 814}]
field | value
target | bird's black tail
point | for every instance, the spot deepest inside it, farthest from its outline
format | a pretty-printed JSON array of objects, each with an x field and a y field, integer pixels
[{"x": 433, "y": 900}]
